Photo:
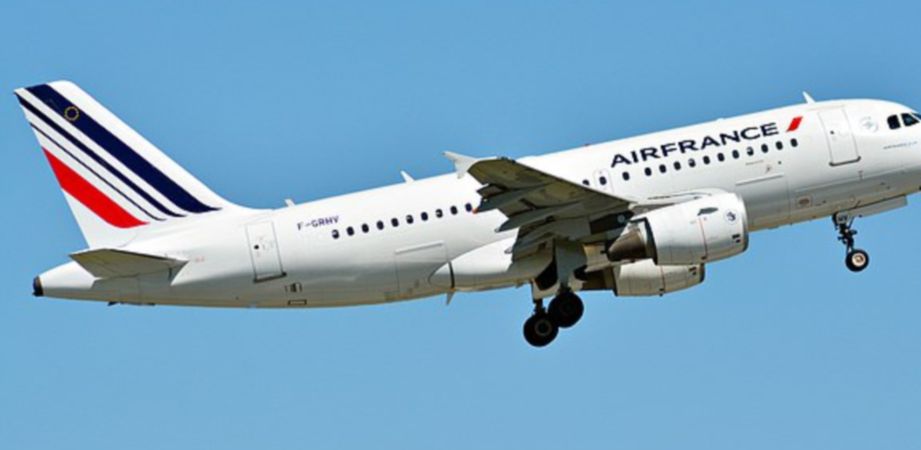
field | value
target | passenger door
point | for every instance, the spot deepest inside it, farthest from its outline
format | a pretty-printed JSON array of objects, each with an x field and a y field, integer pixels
[
  {"x": 263, "y": 250},
  {"x": 842, "y": 147}
]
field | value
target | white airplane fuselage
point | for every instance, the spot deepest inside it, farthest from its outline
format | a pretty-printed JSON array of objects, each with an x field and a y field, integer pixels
[{"x": 424, "y": 237}]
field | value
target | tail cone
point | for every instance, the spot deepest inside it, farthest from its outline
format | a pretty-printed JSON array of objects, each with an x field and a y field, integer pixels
[{"x": 37, "y": 287}]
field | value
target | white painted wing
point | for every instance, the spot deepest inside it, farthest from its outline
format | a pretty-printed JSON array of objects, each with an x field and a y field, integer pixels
[{"x": 542, "y": 206}]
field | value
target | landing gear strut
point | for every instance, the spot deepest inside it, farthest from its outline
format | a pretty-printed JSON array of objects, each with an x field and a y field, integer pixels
[
  {"x": 856, "y": 259},
  {"x": 543, "y": 326}
]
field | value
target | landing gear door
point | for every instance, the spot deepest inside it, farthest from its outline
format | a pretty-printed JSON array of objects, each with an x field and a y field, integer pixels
[
  {"x": 842, "y": 147},
  {"x": 263, "y": 250}
]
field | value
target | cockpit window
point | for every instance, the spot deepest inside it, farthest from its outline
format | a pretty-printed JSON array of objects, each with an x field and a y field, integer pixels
[
  {"x": 894, "y": 122},
  {"x": 909, "y": 120}
]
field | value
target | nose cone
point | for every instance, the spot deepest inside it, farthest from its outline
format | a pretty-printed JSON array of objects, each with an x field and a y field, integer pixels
[{"x": 37, "y": 289}]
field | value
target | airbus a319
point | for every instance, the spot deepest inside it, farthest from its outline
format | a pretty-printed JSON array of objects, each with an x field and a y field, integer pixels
[{"x": 641, "y": 216}]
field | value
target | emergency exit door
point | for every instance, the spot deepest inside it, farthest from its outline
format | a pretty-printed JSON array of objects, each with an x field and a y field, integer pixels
[
  {"x": 842, "y": 147},
  {"x": 263, "y": 249}
]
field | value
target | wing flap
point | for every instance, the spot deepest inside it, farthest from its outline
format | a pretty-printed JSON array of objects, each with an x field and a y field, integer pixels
[
  {"x": 541, "y": 205},
  {"x": 519, "y": 190}
]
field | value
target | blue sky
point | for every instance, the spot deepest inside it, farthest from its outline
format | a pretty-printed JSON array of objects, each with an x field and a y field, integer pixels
[{"x": 782, "y": 347}]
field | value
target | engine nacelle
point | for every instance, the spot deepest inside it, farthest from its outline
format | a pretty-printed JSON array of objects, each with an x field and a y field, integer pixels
[
  {"x": 644, "y": 278},
  {"x": 693, "y": 232}
]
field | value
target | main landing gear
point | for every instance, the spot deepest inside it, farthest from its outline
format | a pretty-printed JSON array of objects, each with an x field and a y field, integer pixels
[
  {"x": 543, "y": 326},
  {"x": 856, "y": 259}
]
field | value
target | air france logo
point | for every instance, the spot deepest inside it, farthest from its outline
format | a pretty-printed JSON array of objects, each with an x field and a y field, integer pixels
[
  {"x": 694, "y": 145},
  {"x": 731, "y": 216}
]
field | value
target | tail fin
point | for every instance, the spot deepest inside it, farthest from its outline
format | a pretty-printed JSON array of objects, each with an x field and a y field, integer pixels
[{"x": 116, "y": 182}]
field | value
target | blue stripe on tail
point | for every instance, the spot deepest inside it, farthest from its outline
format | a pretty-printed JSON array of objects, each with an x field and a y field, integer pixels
[
  {"x": 45, "y": 120},
  {"x": 96, "y": 174},
  {"x": 118, "y": 149}
]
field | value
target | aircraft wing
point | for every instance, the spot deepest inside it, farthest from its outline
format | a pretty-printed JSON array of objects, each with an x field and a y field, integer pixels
[
  {"x": 112, "y": 263},
  {"x": 542, "y": 206}
]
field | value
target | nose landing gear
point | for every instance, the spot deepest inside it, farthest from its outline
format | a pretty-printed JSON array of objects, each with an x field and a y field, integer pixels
[
  {"x": 856, "y": 259},
  {"x": 544, "y": 324}
]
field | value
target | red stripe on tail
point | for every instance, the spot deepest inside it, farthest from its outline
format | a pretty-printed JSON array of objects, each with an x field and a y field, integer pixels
[
  {"x": 794, "y": 124},
  {"x": 87, "y": 194}
]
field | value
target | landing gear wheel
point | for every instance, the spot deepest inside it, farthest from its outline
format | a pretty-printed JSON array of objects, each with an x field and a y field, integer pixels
[
  {"x": 566, "y": 309},
  {"x": 857, "y": 260},
  {"x": 539, "y": 330}
]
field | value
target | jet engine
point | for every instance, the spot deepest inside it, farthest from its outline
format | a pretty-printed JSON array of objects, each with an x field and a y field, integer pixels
[
  {"x": 688, "y": 233},
  {"x": 644, "y": 278}
]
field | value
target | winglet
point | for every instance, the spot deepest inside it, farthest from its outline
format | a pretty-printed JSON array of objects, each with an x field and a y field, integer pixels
[
  {"x": 462, "y": 163},
  {"x": 808, "y": 97},
  {"x": 407, "y": 178}
]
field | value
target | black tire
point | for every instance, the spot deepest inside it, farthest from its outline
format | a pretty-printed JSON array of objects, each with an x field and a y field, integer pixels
[
  {"x": 857, "y": 260},
  {"x": 566, "y": 309},
  {"x": 539, "y": 330}
]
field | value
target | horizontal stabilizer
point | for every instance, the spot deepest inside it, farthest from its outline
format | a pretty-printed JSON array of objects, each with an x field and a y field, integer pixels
[{"x": 112, "y": 263}]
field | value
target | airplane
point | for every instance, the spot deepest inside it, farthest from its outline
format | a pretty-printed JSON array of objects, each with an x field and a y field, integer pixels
[{"x": 641, "y": 216}]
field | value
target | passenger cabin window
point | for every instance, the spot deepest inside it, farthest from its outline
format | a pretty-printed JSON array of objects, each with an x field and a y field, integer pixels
[
  {"x": 909, "y": 120},
  {"x": 894, "y": 122}
]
